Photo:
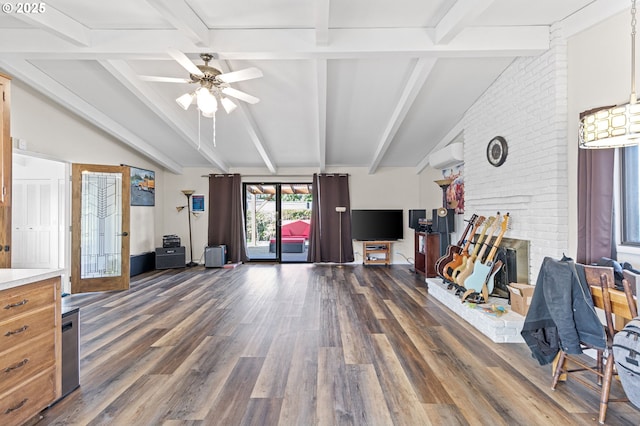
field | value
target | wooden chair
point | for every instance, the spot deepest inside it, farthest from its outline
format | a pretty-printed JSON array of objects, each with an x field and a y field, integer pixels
[{"x": 613, "y": 302}]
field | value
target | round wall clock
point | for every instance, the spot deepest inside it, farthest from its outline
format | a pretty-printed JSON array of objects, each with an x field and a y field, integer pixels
[{"x": 497, "y": 151}]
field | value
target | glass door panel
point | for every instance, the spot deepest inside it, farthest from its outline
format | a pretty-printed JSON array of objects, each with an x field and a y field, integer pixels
[
  {"x": 101, "y": 225},
  {"x": 296, "y": 221},
  {"x": 278, "y": 218},
  {"x": 262, "y": 213},
  {"x": 99, "y": 228}
]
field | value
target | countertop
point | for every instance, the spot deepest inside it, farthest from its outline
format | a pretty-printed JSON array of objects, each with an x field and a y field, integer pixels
[{"x": 10, "y": 278}]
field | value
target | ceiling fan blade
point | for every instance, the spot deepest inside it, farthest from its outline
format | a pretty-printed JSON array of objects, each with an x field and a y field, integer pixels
[
  {"x": 240, "y": 95},
  {"x": 164, "y": 79},
  {"x": 183, "y": 60},
  {"x": 241, "y": 75}
]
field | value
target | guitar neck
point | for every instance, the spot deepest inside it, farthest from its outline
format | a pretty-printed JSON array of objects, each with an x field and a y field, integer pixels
[
  {"x": 478, "y": 244},
  {"x": 479, "y": 222},
  {"x": 467, "y": 229},
  {"x": 498, "y": 240}
]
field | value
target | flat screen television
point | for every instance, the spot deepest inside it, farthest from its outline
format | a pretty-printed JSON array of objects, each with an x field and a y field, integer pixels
[{"x": 377, "y": 225}]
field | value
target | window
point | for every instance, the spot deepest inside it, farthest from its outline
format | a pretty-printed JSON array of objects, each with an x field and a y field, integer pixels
[{"x": 630, "y": 196}]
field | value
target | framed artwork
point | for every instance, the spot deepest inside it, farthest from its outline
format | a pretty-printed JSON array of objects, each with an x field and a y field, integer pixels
[
  {"x": 143, "y": 187},
  {"x": 455, "y": 191},
  {"x": 197, "y": 203}
]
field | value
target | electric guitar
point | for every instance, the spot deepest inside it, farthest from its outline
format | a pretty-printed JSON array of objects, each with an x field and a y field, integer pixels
[
  {"x": 466, "y": 268},
  {"x": 459, "y": 258},
  {"x": 483, "y": 271},
  {"x": 448, "y": 257}
]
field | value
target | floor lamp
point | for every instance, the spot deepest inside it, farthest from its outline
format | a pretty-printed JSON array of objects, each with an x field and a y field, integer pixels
[
  {"x": 340, "y": 210},
  {"x": 188, "y": 193}
]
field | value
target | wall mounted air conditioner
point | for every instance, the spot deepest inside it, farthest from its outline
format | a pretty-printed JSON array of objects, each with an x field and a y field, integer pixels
[{"x": 449, "y": 156}]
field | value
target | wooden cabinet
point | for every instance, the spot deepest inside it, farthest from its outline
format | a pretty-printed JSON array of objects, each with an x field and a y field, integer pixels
[
  {"x": 376, "y": 252},
  {"x": 30, "y": 349},
  {"x": 427, "y": 252},
  {"x": 5, "y": 172}
]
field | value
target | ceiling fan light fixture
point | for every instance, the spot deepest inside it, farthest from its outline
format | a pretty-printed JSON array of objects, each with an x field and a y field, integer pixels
[
  {"x": 185, "y": 100},
  {"x": 206, "y": 101},
  {"x": 228, "y": 105}
]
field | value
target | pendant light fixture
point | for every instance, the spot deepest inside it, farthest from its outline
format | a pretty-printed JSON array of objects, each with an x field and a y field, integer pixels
[{"x": 618, "y": 126}]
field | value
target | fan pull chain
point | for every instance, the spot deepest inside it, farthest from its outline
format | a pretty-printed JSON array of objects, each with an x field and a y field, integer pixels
[
  {"x": 198, "y": 130},
  {"x": 214, "y": 129}
]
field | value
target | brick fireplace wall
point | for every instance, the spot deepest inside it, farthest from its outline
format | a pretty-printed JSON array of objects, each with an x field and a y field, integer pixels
[{"x": 527, "y": 105}]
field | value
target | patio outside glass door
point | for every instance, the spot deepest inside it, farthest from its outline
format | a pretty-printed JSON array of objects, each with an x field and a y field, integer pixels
[{"x": 277, "y": 221}]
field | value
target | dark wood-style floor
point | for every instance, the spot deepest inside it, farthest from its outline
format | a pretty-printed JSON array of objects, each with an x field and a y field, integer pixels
[{"x": 303, "y": 345}]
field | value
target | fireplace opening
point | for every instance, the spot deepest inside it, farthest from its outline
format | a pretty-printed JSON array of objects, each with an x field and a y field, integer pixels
[{"x": 514, "y": 255}]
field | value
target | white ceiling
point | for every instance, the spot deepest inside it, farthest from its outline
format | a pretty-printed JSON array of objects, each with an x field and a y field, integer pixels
[{"x": 367, "y": 83}]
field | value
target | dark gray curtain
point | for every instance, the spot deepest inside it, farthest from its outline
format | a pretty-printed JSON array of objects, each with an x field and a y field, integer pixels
[
  {"x": 330, "y": 191},
  {"x": 226, "y": 216},
  {"x": 595, "y": 205}
]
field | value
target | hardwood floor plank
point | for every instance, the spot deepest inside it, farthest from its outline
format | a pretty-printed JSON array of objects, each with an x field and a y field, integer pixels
[
  {"x": 334, "y": 402},
  {"x": 330, "y": 329},
  {"x": 445, "y": 415},
  {"x": 299, "y": 405},
  {"x": 367, "y": 398},
  {"x": 356, "y": 344},
  {"x": 403, "y": 403},
  {"x": 273, "y": 377},
  {"x": 419, "y": 372},
  {"x": 231, "y": 406},
  {"x": 262, "y": 411}
]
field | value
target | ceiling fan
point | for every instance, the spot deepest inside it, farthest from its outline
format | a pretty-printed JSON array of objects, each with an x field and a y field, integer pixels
[{"x": 213, "y": 85}]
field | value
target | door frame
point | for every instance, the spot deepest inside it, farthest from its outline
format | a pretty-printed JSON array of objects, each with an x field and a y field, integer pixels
[
  {"x": 278, "y": 254},
  {"x": 279, "y": 257},
  {"x": 121, "y": 282}
]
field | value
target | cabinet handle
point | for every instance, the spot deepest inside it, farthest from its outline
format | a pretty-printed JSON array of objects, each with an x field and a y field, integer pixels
[
  {"x": 18, "y": 365},
  {"x": 17, "y": 407},
  {"x": 15, "y": 305},
  {"x": 18, "y": 331}
]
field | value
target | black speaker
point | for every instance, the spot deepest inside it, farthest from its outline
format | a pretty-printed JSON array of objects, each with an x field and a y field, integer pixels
[
  {"x": 444, "y": 224},
  {"x": 170, "y": 257},
  {"x": 415, "y": 216}
]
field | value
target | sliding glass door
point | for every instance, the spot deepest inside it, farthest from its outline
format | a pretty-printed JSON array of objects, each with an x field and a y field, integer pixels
[{"x": 278, "y": 217}]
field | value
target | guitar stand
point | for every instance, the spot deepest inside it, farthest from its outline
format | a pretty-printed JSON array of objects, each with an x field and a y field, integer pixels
[
  {"x": 475, "y": 298},
  {"x": 471, "y": 296}
]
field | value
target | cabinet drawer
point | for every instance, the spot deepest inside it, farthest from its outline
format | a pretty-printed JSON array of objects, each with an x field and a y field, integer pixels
[
  {"x": 26, "y": 360},
  {"x": 22, "y": 299},
  {"x": 25, "y": 327},
  {"x": 24, "y": 402}
]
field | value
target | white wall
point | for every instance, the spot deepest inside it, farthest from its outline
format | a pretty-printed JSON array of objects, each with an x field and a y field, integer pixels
[
  {"x": 61, "y": 135},
  {"x": 599, "y": 74},
  {"x": 527, "y": 106}
]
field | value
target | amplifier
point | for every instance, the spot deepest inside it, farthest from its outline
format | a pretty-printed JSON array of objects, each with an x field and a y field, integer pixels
[
  {"x": 173, "y": 257},
  {"x": 169, "y": 241},
  {"x": 215, "y": 256}
]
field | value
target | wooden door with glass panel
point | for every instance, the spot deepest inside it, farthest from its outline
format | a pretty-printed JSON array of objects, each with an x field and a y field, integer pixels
[{"x": 99, "y": 228}]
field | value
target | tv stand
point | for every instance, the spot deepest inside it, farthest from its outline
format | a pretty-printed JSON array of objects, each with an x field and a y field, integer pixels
[{"x": 376, "y": 252}]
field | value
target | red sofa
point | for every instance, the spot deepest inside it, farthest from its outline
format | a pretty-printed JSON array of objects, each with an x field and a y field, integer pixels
[{"x": 295, "y": 234}]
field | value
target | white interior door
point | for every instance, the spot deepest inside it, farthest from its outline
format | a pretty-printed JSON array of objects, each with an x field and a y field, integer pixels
[{"x": 35, "y": 238}]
